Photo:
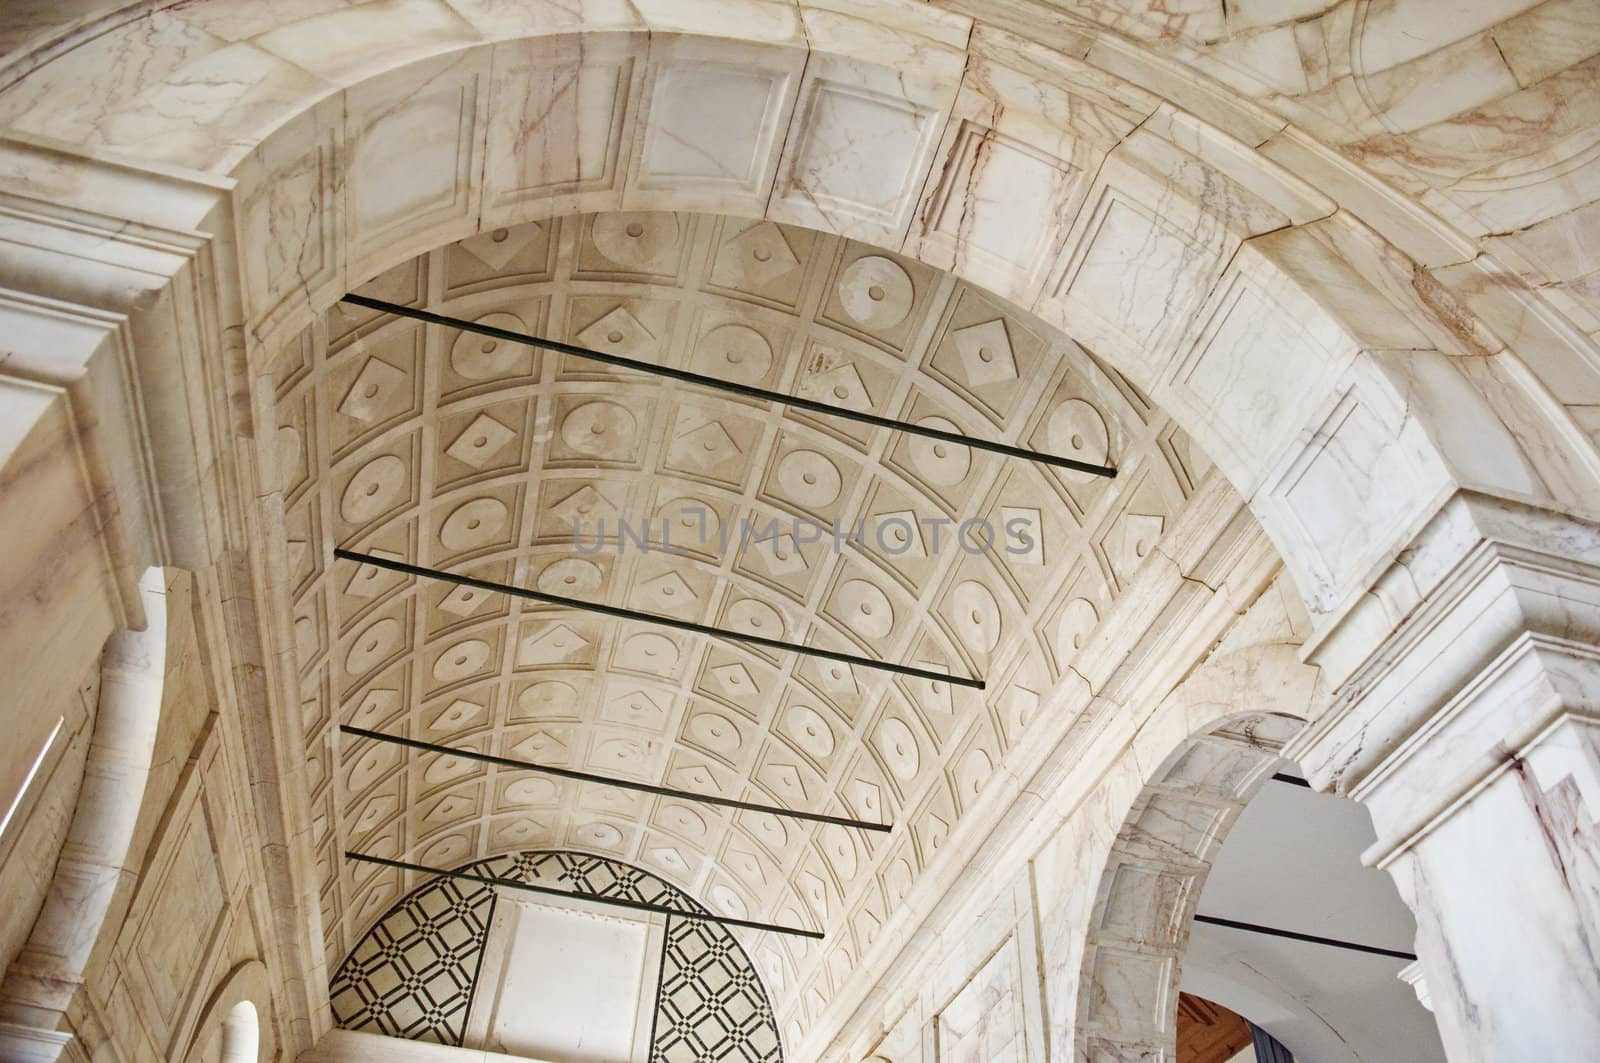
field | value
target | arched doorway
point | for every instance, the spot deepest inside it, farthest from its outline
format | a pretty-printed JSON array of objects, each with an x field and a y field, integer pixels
[{"x": 241, "y": 1034}]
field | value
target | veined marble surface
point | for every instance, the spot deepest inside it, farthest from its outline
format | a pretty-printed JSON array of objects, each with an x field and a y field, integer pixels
[{"x": 1349, "y": 262}]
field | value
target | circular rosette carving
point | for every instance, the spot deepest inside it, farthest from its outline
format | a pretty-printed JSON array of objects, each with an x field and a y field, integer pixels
[
  {"x": 976, "y": 616},
  {"x": 465, "y": 658},
  {"x": 876, "y": 292},
  {"x": 1077, "y": 430},
  {"x": 600, "y": 429},
  {"x": 809, "y": 478},
  {"x": 641, "y": 241},
  {"x": 941, "y": 464},
  {"x": 865, "y": 608},
  {"x": 733, "y": 352},
  {"x": 373, "y": 646},
  {"x": 374, "y": 488},
  {"x": 473, "y": 524},
  {"x": 899, "y": 749},
  {"x": 479, "y": 357},
  {"x": 570, "y": 576}
]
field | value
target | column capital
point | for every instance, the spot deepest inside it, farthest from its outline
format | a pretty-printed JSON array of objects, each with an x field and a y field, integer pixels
[
  {"x": 116, "y": 290},
  {"x": 1475, "y": 652}
]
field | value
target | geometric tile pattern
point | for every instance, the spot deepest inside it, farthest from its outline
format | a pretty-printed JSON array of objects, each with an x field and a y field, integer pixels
[
  {"x": 711, "y": 1005},
  {"x": 414, "y": 974}
]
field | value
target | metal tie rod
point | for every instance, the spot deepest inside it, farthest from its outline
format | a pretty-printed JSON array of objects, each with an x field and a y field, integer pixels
[
  {"x": 604, "y": 780},
  {"x": 550, "y": 891},
  {"x": 653, "y": 618},
  {"x": 1295, "y": 935},
  {"x": 730, "y": 386}
]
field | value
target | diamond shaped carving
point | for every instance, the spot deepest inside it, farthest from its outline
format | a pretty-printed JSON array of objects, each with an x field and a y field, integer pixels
[
  {"x": 933, "y": 695},
  {"x": 784, "y": 779},
  {"x": 756, "y": 257},
  {"x": 380, "y": 391},
  {"x": 704, "y": 447},
  {"x": 497, "y": 248},
  {"x": 451, "y": 807},
  {"x": 480, "y": 441},
  {"x": 842, "y": 385},
  {"x": 369, "y": 581},
  {"x": 584, "y": 507},
  {"x": 780, "y": 554},
  {"x": 375, "y": 810},
  {"x": 836, "y": 677},
  {"x": 443, "y": 767},
  {"x": 735, "y": 680},
  {"x": 619, "y": 332},
  {"x": 463, "y": 601},
  {"x": 458, "y": 713},
  {"x": 558, "y": 642},
  {"x": 865, "y": 797},
  {"x": 637, "y": 708},
  {"x": 541, "y": 744},
  {"x": 1136, "y": 534},
  {"x": 1022, "y": 535},
  {"x": 668, "y": 592},
  {"x": 986, "y": 355},
  {"x": 667, "y": 856},
  {"x": 695, "y": 777},
  {"x": 898, "y": 534},
  {"x": 376, "y": 707}
]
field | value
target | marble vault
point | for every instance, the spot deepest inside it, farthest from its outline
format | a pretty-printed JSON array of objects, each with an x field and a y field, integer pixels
[{"x": 1316, "y": 277}]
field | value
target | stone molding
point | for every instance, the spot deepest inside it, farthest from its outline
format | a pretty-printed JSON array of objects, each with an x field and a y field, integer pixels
[{"x": 1498, "y": 607}]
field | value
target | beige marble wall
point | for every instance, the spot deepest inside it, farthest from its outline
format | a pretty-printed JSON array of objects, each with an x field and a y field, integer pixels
[
  {"x": 61, "y": 605},
  {"x": 134, "y": 961}
]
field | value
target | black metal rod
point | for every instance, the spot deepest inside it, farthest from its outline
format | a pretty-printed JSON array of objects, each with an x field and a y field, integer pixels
[
  {"x": 746, "y": 390},
  {"x": 652, "y": 618},
  {"x": 1294, "y": 935},
  {"x": 1290, "y": 779},
  {"x": 550, "y": 891},
  {"x": 605, "y": 780}
]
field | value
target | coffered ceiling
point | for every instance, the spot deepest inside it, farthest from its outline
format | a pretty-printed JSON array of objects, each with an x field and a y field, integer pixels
[{"x": 479, "y": 456}]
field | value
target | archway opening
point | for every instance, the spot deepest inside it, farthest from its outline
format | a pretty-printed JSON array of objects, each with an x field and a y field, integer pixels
[
  {"x": 241, "y": 1034},
  {"x": 1232, "y": 886}
]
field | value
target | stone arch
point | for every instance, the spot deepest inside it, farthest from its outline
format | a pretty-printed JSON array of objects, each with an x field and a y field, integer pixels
[
  {"x": 241, "y": 1034},
  {"x": 237, "y": 1024},
  {"x": 1357, "y": 362},
  {"x": 1290, "y": 332},
  {"x": 1159, "y": 858},
  {"x": 98, "y": 855}
]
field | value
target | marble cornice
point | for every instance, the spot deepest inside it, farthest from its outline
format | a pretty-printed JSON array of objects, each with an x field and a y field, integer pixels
[
  {"x": 83, "y": 257},
  {"x": 1530, "y": 690},
  {"x": 1498, "y": 600},
  {"x": 124, "y": 281}
]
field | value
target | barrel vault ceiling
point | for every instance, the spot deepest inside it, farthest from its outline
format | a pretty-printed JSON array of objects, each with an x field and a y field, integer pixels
[{"x": 458, "y": 452}]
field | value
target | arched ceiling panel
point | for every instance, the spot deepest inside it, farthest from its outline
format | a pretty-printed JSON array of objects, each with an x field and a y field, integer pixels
[{"x": 460, "y": 452}]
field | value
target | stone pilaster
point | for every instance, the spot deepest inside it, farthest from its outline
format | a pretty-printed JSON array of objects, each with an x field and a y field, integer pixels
[{"x": 1467, "y": 720}]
